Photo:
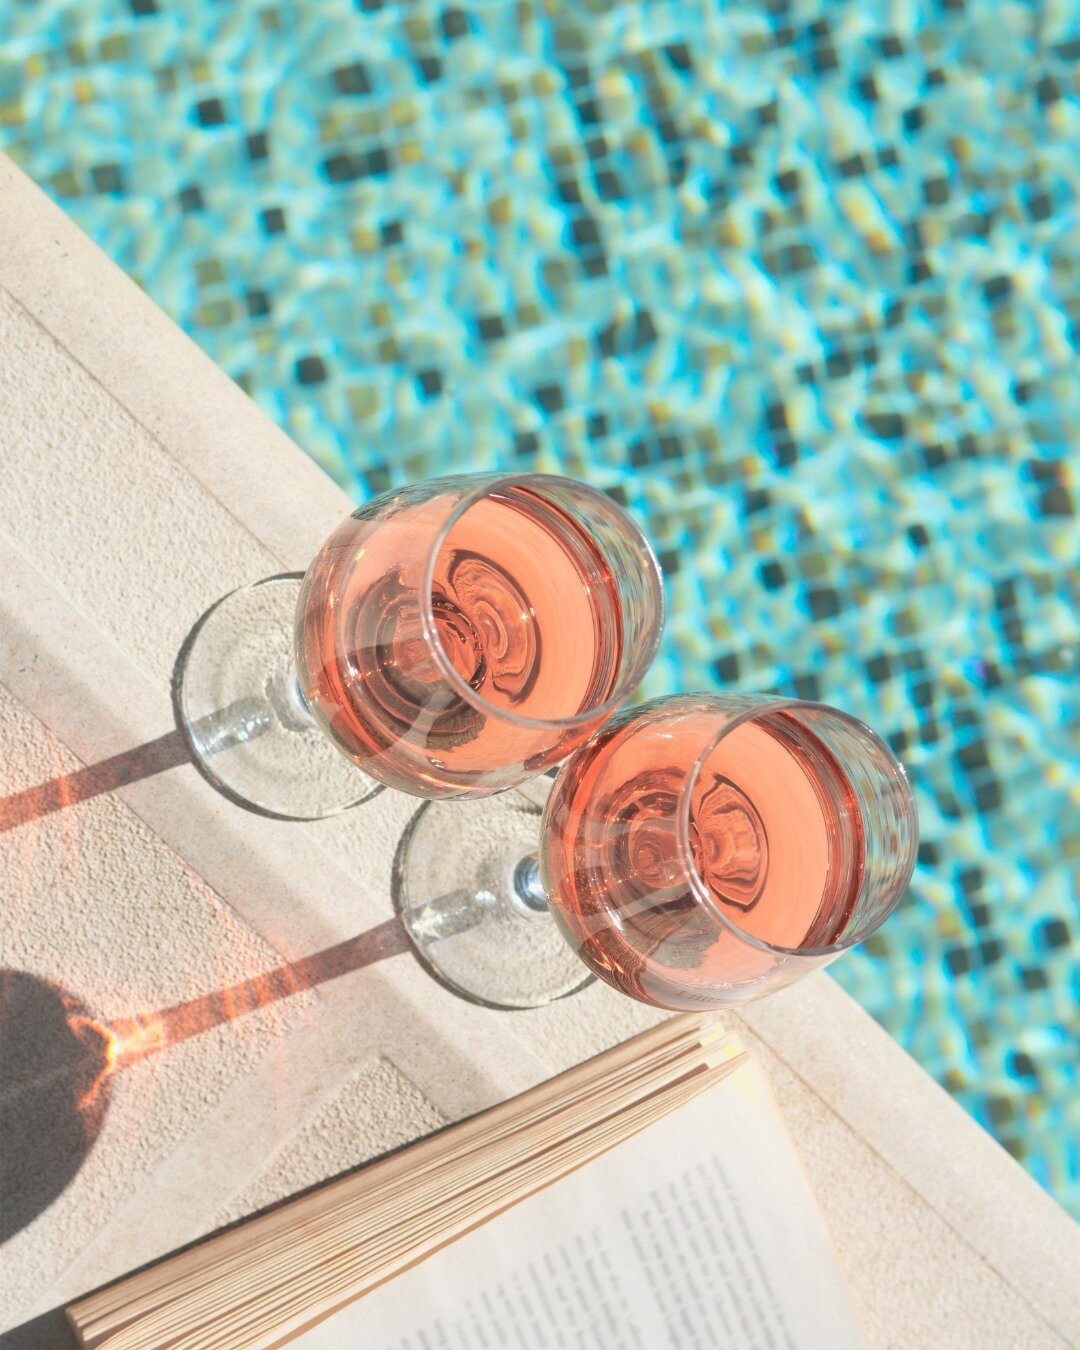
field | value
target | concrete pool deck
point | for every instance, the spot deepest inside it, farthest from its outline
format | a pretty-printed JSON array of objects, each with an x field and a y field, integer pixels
[{"x": 139, "y": 484}]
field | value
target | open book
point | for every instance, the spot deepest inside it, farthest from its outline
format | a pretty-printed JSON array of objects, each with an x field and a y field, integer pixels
[{"x": 698, "y": 1230}]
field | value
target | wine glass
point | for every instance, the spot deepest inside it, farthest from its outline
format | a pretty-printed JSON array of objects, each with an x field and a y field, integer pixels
[
  {"x": 700, "y": 851},
  {"x": 451, "y": 639}
]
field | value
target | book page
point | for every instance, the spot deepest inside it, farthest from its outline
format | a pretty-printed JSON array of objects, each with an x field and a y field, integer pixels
[{"x": 700, "y": 1232}]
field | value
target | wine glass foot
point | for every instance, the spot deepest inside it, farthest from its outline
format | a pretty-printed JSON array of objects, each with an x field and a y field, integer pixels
[
  {"x": 467, "y": 894},
  {"x": 249, "y": 729}
]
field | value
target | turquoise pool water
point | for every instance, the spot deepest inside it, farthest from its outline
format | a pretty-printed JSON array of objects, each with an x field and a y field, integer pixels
[{"x": 799, "y": 282}]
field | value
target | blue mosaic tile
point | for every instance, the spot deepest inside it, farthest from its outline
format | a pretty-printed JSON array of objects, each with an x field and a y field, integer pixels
[{"x": 799, "y": 282}]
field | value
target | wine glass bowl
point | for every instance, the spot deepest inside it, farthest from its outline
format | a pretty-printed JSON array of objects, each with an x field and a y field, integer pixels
[
  {"x": 705, "y": 850},
  {"x": 457, "y": 638}
]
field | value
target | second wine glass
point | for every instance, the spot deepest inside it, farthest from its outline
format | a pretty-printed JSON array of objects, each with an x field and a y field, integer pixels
[{"x": 701, "y": 850}]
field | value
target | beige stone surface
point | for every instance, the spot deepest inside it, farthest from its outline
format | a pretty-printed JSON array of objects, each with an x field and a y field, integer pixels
[
  {"x": 138, "y": 484},
  {"x": 377, "y": 1110},
  {"x": 96, "y": 903},
  {"x": 919, "y": 1134},
  {"x": 912, "y": 1276}
]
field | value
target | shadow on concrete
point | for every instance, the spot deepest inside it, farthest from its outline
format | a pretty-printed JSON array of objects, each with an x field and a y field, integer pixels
[
  {"x": 58, "y": 1063},
  {"x": 50, "y": 1331},
  {"x": 53, "y": 1094},
  {"x": 71, "y": 788}
]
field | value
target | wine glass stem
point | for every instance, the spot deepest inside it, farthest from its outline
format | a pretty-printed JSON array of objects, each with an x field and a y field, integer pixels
[
  {"x": 237, "y": 724},
  {"x": 519, "y": 888},
  {"x": 452, "y": 913},
  {"x": 247, "y": 718},
  {"x": 289, "y": 702},
  {"x": 526, "y": 890}
]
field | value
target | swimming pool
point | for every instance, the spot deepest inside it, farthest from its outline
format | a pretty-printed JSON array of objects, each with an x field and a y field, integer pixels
[{"x": 798, "y": 282}]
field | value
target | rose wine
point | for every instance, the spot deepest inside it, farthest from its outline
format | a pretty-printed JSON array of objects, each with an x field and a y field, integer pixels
[
  {"x": 773, "y": 843},
  {"x": 524, "y": 623}
]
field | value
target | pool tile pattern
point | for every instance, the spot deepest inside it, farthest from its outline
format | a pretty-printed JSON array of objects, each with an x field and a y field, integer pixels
[{"x": 798, "y": 282}]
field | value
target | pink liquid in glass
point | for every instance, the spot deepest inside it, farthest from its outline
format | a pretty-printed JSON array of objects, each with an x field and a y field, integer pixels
[
  {"x": 775, "y": 834},
  {"x": 525, "y": 610}
]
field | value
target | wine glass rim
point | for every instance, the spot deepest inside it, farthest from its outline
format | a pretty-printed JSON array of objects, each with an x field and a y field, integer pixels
[
  {"x": 486, "y": 484},
  {"x": 777, "y": 703}
]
